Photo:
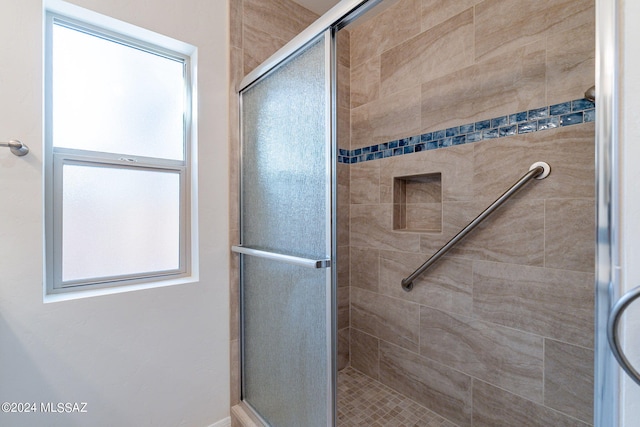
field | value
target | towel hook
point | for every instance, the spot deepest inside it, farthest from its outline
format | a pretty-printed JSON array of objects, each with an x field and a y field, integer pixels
[{"x": 16, "y": 147}]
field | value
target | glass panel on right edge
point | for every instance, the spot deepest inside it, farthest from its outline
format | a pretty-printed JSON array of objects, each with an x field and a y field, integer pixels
[{"x": 286, "y": 183}]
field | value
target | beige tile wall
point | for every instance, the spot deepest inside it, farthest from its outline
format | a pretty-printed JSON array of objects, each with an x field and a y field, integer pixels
[{"x": 500, "y": 331}]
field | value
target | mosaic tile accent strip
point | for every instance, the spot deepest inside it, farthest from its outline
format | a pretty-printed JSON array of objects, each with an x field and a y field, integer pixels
[
  {"x": 550, "y": 117},
  {"x": 364, "y": 402}
]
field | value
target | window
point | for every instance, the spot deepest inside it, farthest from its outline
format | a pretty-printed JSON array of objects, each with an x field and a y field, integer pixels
[{"x": 117, "y": 163}]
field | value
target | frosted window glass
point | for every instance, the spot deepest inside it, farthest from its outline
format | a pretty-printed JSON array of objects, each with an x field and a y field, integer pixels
[
  {"x": 285, "y": 169},
  {"x": 119, "y": 221},
  {"x": 114, "y": 98}
]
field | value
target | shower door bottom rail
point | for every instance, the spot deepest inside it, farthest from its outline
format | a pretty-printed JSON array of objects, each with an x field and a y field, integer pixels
[
  {"x": 289, "y": 259},
  {"x": 538, "y": 170}
]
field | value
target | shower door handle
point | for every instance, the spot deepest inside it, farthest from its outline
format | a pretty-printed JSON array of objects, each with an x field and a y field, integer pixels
[
  {"x": 612, "y": 332},
  {"x": 289, "y": 259}
]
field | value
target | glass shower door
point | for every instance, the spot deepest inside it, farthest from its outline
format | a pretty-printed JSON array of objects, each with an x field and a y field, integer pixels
[{"x": 286, "y": 233}]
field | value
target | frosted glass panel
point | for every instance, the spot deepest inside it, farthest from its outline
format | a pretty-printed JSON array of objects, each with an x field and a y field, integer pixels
[
  {"x": 113, "y": 98},
  {"x": 285, "y": 199},
  {"x": 285, "y": 368},
  {"x": 285, "y": 160},
  {"x": 119, "y": 221}
]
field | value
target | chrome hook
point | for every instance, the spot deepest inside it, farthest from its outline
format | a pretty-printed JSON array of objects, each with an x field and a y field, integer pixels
[{"x": 16, "y": 147}]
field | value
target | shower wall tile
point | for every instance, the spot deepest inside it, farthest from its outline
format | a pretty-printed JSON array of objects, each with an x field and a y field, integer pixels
[
  {"x": 569, "y": 151},
  {"x": 512, "y": 234},
  {"x": 448, "y": 286},
  {"x": 269, "y": 25},
  {"x": 455, "y": 216},
  {"x": 502, "y": 25},
  {"x": 438, "y": 51},
  {"x": 343, "y": 266},
  {"x": 365, "y": 354},
  {"x": 436, "y": 386},
  {"x": 365, "y": 82},
  {"x": 570, "y": 234},
  {"x": 371, "y": 227},
  {"x": 435, "y": 12},
  {"x": 389, "y": 319},
  {"x": 548, "y": 302},
  {"x": 494, "y": 407},
  {"x": 235, "y": 27},
  {"x": 486, "y": 89},
  {"x": 398, "y": 23},
  {"x": 344, "y": 48},
  {"x": 364, "y": 268},
  {"x": 510, "y": 359},
  {"x": 343, "y": 200},
  {"x": 365, "y": 183},
  {"x": 343, "y": 348},
  {"x": 384, "y": 120},
  {"x": 424, "y": 216},
  {"x": 570, "y": 63},
  {"x": 344, "y": 92},
  {"x": 343, "y": 307},
  {"x": 455, "y": 164},
  {"x": 568, "y": 373}
]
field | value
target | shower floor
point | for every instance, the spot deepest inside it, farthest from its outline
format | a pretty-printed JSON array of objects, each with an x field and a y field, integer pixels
[{"x": 364, "y": 402}]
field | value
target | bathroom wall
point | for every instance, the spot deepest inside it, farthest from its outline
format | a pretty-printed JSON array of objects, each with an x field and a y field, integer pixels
[
  {"x": 149, "y": 357},
  {"x": 450, "y": 105},
  {"x": 258, "y": 28}
]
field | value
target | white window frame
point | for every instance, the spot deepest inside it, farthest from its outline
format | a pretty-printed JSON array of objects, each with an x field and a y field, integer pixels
[{"x": 55, "y": 158}]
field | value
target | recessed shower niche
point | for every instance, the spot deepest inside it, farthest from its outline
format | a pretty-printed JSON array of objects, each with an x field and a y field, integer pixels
[{"x": 417, "y": 203}]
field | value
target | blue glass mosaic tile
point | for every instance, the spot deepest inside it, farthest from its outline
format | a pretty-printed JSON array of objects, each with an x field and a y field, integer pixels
[
  {"x": 426, "y": 137},
  {"x": 539, "y": 113},
  {"x": 489, "y": 133},
  {"x": 571, "y": 119},
  {"x": 548, "y": 123},
  {"x": 518, "y": 117},
  {"x": 453, "y": 131},
  {"x": 467, "y": 128},
  {"x": 484, "y": 124},
  {"x": 460, "y": 139},
  {"x": 499, "y": 121},
  {"x": 508, "y": 130},
  {"x": 559, "y": 109},
  {"x": 581, "y": 105},
  {"x": 590, "y": 115},
  {"x": 474, "y": 137},
  {"x": 536, "y": 120},
  {"x": 439, "y": 134},
  {"x": 528, "y": 127}
]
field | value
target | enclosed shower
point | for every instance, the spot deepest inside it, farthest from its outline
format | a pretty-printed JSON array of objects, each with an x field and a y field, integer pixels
[{"x": 369, "y": 142}]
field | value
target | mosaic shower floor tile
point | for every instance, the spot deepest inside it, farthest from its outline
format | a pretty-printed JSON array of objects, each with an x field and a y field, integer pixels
[{"x": 364, "y": 402}]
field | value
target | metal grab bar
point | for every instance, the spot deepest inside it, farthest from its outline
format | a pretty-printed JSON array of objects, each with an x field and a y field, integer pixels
[
  {"x": 16, "y": 147},
  {"x": 289, "y": 259},
  {"x": 612, "y": 332},
  {"x": 538, "y": 170}
]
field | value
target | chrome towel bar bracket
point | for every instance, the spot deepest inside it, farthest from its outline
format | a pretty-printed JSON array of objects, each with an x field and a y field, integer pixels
[
  {"x": 612, "y": 332},
  {"x": 16, "y": 147},
  {"x": 538, "y": 170}
]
